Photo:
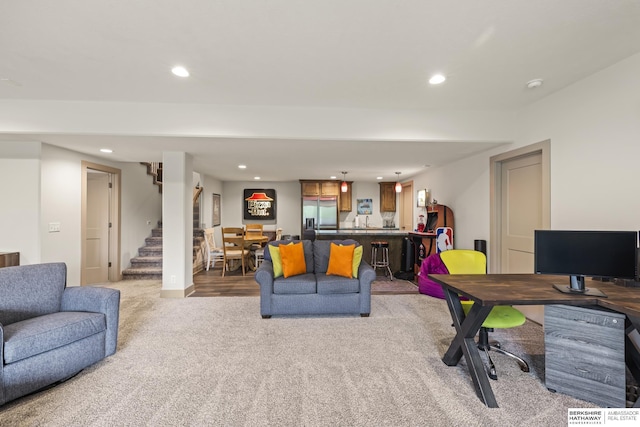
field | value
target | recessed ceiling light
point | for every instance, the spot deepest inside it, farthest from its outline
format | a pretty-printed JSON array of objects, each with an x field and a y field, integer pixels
[
  {"x": 379, "y": 177},
  {"x": 532, "y": 84},
  {"x": 106, "y": 150},
  {"x": 180, "y": 71},
  {"x": 332, "y": 177},
  {"x": 436, "y": 79},
  {"x": 256, "y": 177},
  {"x": 242, "y": 166}
]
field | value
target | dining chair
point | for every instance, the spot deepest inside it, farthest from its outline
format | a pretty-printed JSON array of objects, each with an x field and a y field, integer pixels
[
  {"x": 233, "y": 247},
  {"x": 256, "y": 230},
  {"x": 213, "y": 253}
]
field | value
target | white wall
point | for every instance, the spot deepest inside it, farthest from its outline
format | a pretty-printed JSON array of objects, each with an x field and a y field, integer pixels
[
  {"x": 20, "y": 200},
  {"x": 594, "y": 128},
  {"x": 42, "y": 184},
  {"x": 364, "y": 190}
]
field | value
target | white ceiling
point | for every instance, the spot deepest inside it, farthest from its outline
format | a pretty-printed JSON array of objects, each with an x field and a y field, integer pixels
[{"x": 365, "y": 54}]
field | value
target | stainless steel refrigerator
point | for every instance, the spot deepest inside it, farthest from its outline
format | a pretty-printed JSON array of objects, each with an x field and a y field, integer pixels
[{"x": 320, "y": 212}]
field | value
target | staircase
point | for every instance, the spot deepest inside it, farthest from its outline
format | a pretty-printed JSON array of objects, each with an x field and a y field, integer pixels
[
  {"x": 148, "y": 264},
  {"x": 155, "y": 170}
]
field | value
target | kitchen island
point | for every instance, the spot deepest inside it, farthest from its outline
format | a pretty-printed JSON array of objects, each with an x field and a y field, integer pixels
[{"x": 367, "y": 235}]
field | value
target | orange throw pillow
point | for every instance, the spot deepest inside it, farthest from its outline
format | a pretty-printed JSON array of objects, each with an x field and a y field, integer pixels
[
  {"x": 341, "y": 260},
  {"x": 293, "y": 259}
]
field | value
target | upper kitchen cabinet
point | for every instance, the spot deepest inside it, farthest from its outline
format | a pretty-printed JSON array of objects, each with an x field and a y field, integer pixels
[
  {"x": 319, "y": 188},
  {"x": 310, "y": 188},
  {"x": 329, "y": 188},
  {"x": 387, "y": 197},
  {"x": 345, "y": 199}
]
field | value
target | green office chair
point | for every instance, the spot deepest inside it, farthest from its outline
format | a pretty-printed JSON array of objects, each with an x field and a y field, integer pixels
[{"x": 462, "y": 261}]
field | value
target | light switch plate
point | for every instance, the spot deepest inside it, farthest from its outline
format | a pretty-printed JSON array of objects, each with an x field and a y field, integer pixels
[{"x": 54, "y": 227}]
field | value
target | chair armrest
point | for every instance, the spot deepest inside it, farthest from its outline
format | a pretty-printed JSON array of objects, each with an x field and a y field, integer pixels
[{"x": 96, "y": 300}]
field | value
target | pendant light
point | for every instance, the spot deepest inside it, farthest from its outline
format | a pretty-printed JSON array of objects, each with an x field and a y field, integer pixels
[
  {"x": 398, "y": 185},
  {"x": 344, "y": 187}
]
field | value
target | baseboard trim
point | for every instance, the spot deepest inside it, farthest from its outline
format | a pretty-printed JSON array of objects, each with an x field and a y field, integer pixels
[{"x": 177, "y": 293}]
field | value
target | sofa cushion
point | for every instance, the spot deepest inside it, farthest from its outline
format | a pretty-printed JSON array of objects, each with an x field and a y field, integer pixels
[
  {"x": 337, "y": 285},
  {"x": 341, "y": 260},
  {"x": 31, "y": 290},
  {"x": 300, "y": 284},
  {"x": 41, "y": 334},
  {"x": 308, "y": 251},
  {"x": 322, "y": 250},
  {"x": 293, "y": 260}
]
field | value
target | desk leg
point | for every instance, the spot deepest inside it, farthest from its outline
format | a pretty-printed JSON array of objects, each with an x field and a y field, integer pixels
[{"x": 464, "y": 344}]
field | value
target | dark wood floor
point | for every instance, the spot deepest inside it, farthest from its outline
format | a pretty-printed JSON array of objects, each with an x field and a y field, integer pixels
[{"x": 233, "y": 284}]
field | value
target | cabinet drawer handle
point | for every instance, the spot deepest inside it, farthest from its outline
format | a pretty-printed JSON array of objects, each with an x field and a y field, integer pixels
[{"x": 584, "y": 371}]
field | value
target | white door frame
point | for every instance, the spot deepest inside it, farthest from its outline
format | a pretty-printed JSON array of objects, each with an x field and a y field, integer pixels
[
  {"x": 495, "y": 174},
  {"x": 115, "y": 273}
]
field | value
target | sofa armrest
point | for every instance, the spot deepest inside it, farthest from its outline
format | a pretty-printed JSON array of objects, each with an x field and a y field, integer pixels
[
  {"x": 96, "y": 300},
  {"x": 366, "y": 275},
  {"x": 1, "y": 364},
  {"x": 264, "y": 277}
]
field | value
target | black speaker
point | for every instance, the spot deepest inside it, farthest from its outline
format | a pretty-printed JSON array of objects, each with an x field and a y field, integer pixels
[
  {"x": 480, "y": 245},
  {"x": 408, "y": 255}
]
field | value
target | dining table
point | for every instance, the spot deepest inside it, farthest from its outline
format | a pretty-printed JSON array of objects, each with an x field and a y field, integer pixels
[{"x": 249, "y": 242}]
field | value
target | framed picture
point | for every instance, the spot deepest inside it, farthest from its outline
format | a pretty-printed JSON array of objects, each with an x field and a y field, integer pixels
[
  {"x": 216, "y": 209},
  {"x": 259, "y": 204},
  {"x": 365, "y": 206},
  {"x": 422, "y": 198}
]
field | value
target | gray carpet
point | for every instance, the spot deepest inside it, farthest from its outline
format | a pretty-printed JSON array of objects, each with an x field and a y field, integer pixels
[{"x": 215, "y": 361}]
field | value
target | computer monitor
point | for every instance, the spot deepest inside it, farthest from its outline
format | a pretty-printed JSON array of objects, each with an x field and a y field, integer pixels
[{"x": 605, "y": 254}]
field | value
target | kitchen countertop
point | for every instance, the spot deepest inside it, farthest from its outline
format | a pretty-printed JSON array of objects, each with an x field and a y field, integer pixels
[{"x": 367, "y": 231}]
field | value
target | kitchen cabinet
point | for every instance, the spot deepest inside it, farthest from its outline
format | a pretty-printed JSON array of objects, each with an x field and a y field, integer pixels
[
  {"x": 310, "y": 188},
  {"x": 330, "y": 188},
  {"x": 319, "y": 188},
  {"x": 387, "y": 197},
  {"x": 345, "y": 199}
]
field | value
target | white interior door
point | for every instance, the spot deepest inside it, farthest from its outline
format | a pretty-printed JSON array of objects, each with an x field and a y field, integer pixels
[
  {"x": 406, "y": 207},
  {"x": 96, "y": 265},
  {"x": 521, "y": 213}
]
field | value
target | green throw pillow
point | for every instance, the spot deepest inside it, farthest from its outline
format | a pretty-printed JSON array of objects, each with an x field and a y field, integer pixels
[
  {"x": 276, "y": 260},
  {"x": 357, "y": 257}
]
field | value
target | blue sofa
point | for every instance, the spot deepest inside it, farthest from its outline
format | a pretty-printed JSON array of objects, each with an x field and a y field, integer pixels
[
  {"x": 49, "y": 332},
  {"x": 314, "y": 292}
]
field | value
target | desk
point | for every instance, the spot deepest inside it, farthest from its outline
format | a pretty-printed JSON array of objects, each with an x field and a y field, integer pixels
[{"x": 521, "y": 289}]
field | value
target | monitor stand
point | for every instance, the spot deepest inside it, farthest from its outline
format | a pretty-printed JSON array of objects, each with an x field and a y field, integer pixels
[{"x": 578, "y": 288}]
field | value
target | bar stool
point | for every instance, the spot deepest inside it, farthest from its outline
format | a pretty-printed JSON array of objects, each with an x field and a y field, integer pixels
[{"x": 383, "y": 262}]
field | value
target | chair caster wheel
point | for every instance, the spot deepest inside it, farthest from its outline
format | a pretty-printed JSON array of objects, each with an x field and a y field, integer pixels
[{"x": 493, "y": 374}]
